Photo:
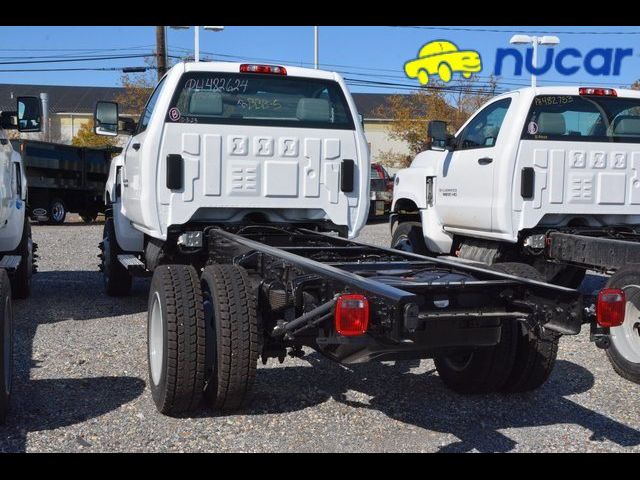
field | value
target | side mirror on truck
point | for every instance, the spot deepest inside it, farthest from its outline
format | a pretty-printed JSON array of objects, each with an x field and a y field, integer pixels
[
  {"x": 108, "y": 122},
  {"x": 106, "y": 119},
  {"x": 29, "y": 114},
  {"x": 437, "y": 131},
  {"x": 26, "y": 118}
]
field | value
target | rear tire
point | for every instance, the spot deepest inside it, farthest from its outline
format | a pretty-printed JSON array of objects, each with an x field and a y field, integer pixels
[
  {"x": 483, "y": 370},
  {"x": 624, "y": 350},
  {"x": 408, "y": 237},
  {"x": 6, "y": 344},
  {"x": 176, "y": 339},
  {"x": 536, "y": 351},
  {"x": 21, "y": 278},
  {"x": 57, "y": 212},
  {"x": 233, "y": 342},
  {"x": 117, "y": 281}
]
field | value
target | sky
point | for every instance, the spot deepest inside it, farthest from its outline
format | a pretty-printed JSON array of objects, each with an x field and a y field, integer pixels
[{"x": 360, "y": 52}]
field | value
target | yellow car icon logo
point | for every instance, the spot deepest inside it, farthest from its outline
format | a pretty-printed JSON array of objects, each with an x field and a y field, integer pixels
[{"x": 444, "y": 59}]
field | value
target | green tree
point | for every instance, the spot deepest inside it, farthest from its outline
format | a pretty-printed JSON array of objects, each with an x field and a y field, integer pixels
[
  {"x": 410, "y": 114},
  {"x": 86, "y": 137}
]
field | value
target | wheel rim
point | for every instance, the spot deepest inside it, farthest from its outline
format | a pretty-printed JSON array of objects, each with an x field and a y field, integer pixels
[
  {"x": 156, "y": 340},
  {"x": 404, "y": 244},
  {"x": 57, "y": 212},
  {"x": 626, "y": 338},
  {"x": 7, "y": 348}
]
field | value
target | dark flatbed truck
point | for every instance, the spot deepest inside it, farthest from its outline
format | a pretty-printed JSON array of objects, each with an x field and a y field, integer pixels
[{"x": 64, "y": 178}]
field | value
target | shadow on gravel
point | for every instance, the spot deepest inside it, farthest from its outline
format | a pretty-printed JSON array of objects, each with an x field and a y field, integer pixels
[
  {"x": 378, "y": 220},
  {"x": 60, "y": 402},
  {"x": 47, "y": 404},
  {"x": 423, "y": 401},
  {"x": 68, "y": 224},
  {"x": 79, "y": 295}
]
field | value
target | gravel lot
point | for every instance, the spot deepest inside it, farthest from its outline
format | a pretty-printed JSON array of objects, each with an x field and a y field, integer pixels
[{"x": 81, "y": 374}]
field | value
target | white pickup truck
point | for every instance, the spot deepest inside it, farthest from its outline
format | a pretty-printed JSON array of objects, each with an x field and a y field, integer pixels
[
  {"x": 16, "y": 245},
  {"x": 546, "y": 176},
  {"x": 231, "y": 191}
]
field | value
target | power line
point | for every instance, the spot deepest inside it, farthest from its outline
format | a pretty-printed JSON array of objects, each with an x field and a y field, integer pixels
[
  {"x": 495, "y": 30},
  {"x": 56, "y": 56},
  {"x": 77, "y": 69},
  {"x": 76, "y": 59},
  {"x": 73, "y": 49}
]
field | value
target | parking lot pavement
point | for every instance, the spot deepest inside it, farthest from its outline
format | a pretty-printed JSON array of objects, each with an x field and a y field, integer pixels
[{"x": 81, "y": 375}]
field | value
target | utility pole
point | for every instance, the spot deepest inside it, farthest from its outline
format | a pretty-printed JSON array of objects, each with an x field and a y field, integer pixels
[
  {"x": 161, "y": 52},
  {"x": 316, "y": 48}
]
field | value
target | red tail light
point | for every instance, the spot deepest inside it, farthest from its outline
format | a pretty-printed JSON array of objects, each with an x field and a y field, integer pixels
[
  {"x": 270, "y": 69},
  {"x": 598, "y": 92},
  {"x": 610, "y": 309},
  {"x": 352, "y": 315}
]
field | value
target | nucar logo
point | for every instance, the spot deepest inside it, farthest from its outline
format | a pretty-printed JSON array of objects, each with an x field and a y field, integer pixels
[
  {"x": 442, "y": 58},
  {"x": 597, "y": 62}
]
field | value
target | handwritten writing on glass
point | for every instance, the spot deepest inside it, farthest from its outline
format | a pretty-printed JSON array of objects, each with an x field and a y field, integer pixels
[
  {"x": 218, "y": 84},
  {"x": 258, "y": 104}
]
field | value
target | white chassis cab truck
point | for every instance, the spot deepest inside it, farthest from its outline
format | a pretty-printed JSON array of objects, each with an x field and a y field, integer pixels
[
  {"x": 16, "y": 245},
  {"x": 544, "y": 177},
  {"x": 240, "y": 191}
]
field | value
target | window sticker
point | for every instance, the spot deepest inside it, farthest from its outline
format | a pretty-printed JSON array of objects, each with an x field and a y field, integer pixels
[
  {"x": 532, "y": 128},
  {"x": 174, "y": 114}
]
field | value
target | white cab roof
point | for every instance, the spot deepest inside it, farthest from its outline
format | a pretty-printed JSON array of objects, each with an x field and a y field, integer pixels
[
  {"x": 234, "y": 67},
  {"x": 575, "y": 90}
]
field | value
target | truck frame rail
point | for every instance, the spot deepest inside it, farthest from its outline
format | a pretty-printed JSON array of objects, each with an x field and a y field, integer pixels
[{"x": 420, "y": 305}]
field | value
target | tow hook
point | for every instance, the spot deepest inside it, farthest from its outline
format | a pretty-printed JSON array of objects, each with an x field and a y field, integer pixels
[{"x": 598, "y": 334}]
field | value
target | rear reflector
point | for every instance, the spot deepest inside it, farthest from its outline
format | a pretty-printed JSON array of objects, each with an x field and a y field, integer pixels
[
  {"x": 610, "y": 309},
  {"x": 270, "y": 69},
  {"x": 352, "y": 315},
  {"x": 598, "y": 92}
]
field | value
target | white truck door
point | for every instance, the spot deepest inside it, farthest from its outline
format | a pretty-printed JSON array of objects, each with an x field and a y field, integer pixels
[
  {"x": 131, "y": 174},
  {"x": 5, "y": 177},
  {"x": 464, "y": 192}
]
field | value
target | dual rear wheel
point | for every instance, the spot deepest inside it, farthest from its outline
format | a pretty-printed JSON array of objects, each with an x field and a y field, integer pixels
[
  {"x": 520, "y": 362},
  {"x": 203, "y": 337}
]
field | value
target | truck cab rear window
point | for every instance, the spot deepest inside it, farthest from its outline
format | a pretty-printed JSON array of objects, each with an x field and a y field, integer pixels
[
  {"x": 263, "y": 100},
  {"x": 583, "y": 119}
]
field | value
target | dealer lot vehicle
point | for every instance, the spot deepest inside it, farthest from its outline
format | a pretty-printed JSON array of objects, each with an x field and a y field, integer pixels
[
  {"x": 545, "y": 176},
  {"x": 240, "y": 191},
  {"x": 380, "y": 195},
  {"x": 16, "y": 245},
  {"x": 64, "y": 179},
  {"x": 381, "y": 191}
]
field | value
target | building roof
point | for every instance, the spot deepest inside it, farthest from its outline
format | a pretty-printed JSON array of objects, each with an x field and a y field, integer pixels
[
  {"x": 65, "y": 99},
  {"x": 82, "y": 100},
  {"x": 367, "y": 104}
]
